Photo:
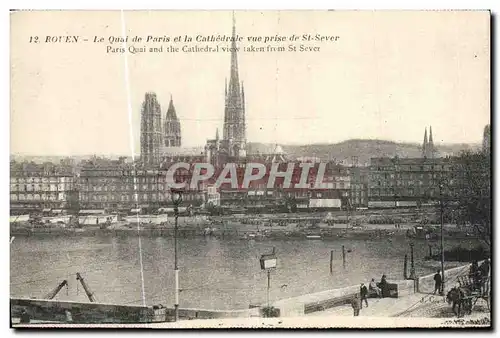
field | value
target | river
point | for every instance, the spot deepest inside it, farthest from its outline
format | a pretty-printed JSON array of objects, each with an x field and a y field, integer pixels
[{"x": 214, "y": 273}]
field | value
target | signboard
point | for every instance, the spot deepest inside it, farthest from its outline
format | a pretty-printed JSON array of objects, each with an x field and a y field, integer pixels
[{"x": 268, "y": 262}]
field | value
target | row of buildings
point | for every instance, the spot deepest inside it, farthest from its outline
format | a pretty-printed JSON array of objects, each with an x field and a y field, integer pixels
[{"x": 117, "y": 185}]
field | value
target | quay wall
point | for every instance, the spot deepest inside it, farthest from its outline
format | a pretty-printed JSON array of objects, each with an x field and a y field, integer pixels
[
  {"x": 290, "y": 307},
  {"x": 425, "y": 284},
  {"x": 62, "y": 311},
  {"x": 320, "y": 301},
  {"x": 214, "y": 314}
]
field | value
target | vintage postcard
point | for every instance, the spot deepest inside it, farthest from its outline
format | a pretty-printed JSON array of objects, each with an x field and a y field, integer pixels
[{"x": 250, "y": 169}]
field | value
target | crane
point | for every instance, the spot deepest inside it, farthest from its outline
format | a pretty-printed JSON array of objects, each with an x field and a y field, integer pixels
[
  {"x": 89, "y": 293},
  {"x": 54, "y": 292}
]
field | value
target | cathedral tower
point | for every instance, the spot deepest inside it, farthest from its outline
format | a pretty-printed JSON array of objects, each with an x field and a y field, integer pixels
[
  {"x": 234, "y": 132},
  {"x": 172, "y": 127},
  {"x": 151, "y": 129}
]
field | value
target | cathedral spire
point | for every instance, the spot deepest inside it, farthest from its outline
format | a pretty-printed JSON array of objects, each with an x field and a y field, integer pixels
[
  {"x": 424, "y": 146},
  {"x": 172, "y": 126},
  {"x": 431, "y": 149},
  {"x": 171, "y": 114},
  {"x": 234, "y": 110},
  {"x": 234, "y": 80},
  {"x": 225, "y": 89}
]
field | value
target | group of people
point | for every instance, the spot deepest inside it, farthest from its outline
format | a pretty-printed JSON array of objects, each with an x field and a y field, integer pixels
[
  {"x": 478, "y": 274},
  {"x": 373, "y": 288}
]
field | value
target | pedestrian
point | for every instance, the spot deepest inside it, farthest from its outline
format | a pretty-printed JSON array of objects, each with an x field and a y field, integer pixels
[
  {"x": 473, "y": 268},
  {"x": 356, "y": 305},
  {"x": 383, "y": 285},
  {"x": 373, "y": 287},
  {"x": 363, "y": 292},
  {"x": 437, "y": 281},
  {"x": 484, "y": 271},
  {"x": 485, "y": 268}
]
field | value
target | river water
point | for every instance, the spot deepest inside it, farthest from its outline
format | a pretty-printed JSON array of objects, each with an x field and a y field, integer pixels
[{"x": 214, "y": 273}]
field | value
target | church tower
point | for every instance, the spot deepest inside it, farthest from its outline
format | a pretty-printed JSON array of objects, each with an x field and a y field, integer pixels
[
  {"x": 172, "y": 127},
  {"x": 431, "y": 149},
  {"x": 151, "y": 129},
  {"x": 428, "y": 149},
  {"x": 234, "y": 132},
  {"x": 424, "y": 146}
]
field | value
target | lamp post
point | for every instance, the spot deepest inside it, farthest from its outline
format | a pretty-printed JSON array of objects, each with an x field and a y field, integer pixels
[
  {"x": 412, "y": 268},
  {"x": 176, "y": 199},
  {"x": 442, "y": 236},
  {"x": 268, "y": 263}
]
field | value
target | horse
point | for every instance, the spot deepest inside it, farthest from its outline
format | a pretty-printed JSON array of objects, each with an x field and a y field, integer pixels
[{"x": 457, "y": 296}]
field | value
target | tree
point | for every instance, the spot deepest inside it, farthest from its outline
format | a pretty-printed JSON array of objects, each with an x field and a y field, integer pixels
[{"x": 471, "y": 182}]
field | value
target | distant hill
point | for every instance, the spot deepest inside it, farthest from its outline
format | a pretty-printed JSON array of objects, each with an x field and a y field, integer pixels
[
  {"x": 342, "y": 152},
  {"x": 364, "y": 150}
]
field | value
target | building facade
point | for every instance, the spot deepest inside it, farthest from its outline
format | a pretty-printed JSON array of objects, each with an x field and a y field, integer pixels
[
  {"x": 411, "y": 182},
  {"x": 118, "y": 186},
  {"x": 358, "y": 194},
  {"x": 260, "y": 197},
  {"x": 38, "y": 187}
]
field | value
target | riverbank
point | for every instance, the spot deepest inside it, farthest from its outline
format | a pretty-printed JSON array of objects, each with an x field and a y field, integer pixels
[
  {"x": 406, "y": 304},
  {"x": 242, "y": 232}
]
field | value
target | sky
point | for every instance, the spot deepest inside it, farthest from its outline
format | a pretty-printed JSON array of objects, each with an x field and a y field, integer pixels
[{"x": 388, "y": 76}]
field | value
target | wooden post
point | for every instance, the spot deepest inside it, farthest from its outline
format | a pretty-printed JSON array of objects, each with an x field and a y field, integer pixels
[
  {"x": 412, "y": 268},
  {"x": 343, "y": 256},
  {"x": 405, "y": 274},
  {"x": 331, "y": 262}
]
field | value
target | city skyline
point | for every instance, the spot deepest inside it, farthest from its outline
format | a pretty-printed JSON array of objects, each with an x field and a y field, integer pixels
[{"x": 284, "y": 91}]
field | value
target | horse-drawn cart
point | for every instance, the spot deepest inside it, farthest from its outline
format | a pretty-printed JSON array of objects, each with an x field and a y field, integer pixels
[{"x": 469, "y": 290}]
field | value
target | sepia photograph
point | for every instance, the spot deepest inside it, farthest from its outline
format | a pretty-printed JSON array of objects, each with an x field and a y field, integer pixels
[{"x": 250, "y": 169}]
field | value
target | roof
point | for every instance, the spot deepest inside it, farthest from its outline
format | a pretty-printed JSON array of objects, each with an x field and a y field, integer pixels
[
  {"x": 265, "y": 148},
  {"x": 181, "y": 151}
]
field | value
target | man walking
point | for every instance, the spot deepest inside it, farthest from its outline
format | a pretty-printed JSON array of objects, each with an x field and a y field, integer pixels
[
  {"x": 356, "y": 305},
  {"x": 363, "y": 292},
  {"x": 437, "y": 282}
]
